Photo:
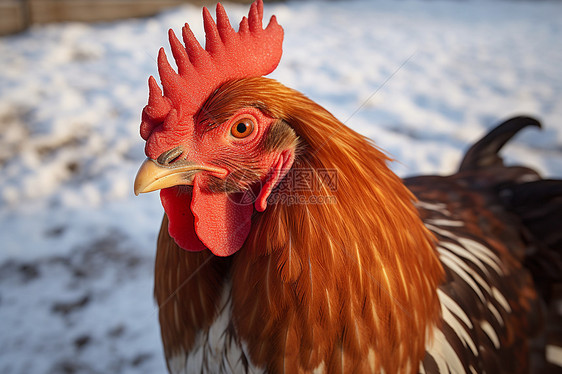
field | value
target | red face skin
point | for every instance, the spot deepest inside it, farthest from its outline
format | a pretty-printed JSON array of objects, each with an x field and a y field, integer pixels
[{"x": 206, "y": 218}]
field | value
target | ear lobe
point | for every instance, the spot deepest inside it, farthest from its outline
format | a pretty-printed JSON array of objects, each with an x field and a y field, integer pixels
[{"x": 277, "y": 172}]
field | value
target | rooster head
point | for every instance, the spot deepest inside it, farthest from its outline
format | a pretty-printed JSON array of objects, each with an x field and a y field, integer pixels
[{"x": 215, "y": 159}]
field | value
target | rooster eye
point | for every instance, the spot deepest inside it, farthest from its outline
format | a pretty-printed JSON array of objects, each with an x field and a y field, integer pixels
[{"x": 242, "y": 128}]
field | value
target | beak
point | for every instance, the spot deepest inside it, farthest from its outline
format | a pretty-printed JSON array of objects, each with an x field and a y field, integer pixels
[{"x": 153, "y": 176}]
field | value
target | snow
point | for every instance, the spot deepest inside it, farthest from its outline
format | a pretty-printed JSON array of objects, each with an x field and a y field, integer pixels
[{"x": 423, "y": 79}]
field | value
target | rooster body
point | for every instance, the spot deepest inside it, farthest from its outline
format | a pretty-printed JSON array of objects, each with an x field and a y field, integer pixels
[{"x": 289, "y": 246}]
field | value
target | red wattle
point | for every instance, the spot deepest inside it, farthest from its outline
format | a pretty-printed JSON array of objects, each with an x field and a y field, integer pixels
[
  {"x": 222, "y": 221},
  {"x": 181, "y": 221}
]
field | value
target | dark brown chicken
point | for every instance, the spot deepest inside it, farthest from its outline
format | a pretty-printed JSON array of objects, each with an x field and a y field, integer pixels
[{"x": 288, "y": 245}]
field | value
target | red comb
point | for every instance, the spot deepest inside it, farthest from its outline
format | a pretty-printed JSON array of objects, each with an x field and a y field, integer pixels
[{"x": 252, "y": 51}]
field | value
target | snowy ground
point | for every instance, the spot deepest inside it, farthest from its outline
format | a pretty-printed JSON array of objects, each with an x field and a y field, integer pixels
[{"x": 423, "y": 79}]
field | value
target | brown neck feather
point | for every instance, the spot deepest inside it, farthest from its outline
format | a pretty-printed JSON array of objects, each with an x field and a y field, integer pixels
[
  {"x": 349, "y": 285},
  {"x": 336, "y": 283},
  {"x": 187, "y": 289}
]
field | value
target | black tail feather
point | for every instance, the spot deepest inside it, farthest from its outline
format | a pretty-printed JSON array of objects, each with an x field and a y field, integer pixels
[
  {"x": 537, "y": 203},
  {"x": 484, "y": 153}
]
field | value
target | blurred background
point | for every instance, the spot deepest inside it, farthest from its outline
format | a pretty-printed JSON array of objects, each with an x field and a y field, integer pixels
[
  {"x": 423, "y": 79},
  {"x": 18, "y": 15}
]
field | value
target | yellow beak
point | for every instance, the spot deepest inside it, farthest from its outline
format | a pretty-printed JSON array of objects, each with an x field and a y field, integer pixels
[{"x": 153, "y": 176}]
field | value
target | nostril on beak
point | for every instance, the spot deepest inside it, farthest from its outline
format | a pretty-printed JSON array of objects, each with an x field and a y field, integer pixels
[{"x": 170, "y": 156}]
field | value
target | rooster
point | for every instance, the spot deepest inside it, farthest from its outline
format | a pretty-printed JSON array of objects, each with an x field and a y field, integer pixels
[{"x": 289, "y": 246}]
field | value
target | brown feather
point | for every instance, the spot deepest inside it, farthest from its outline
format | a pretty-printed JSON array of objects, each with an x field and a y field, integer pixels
[
  {"x": 315, "y": 284},
  {"x": 340, "y": 281},
  {"x": 187, "y": 289}
]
